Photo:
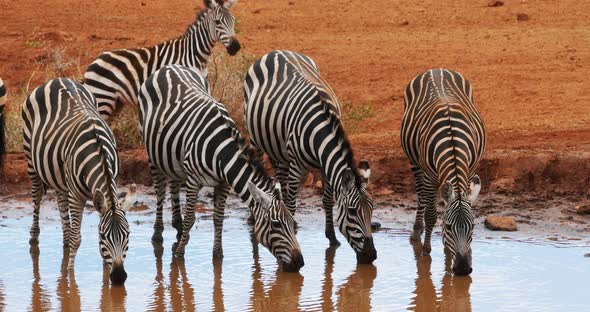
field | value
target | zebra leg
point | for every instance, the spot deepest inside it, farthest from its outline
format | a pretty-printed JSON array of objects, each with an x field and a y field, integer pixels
[
  {"x": 37, "y": 190},
  {"x": 430, "y": 216},
  {"x": 76, "y": 212},
  {"x": 328, "y": 201},
  {"x": 176, "y": 213},
  {"x": 64, "y": 211},
  {"x": 192, "y": 193},
  {"x": 282, "y": 175},
  {"x": 221, "y": 192},
  {"x": 160, "y": 185},
  {"x": 419, "y": 223},
  {"x": 293, "y": 183}
]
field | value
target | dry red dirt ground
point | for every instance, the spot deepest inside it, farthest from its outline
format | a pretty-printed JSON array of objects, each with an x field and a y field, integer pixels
[{"x": 530, "y": 77}]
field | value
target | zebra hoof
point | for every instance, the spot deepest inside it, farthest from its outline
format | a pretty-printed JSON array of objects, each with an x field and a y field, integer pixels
[
  {"x": 34, "y": 241},
  {"x": 334, "y": 243},
  {"x": 157, "y": 238}
]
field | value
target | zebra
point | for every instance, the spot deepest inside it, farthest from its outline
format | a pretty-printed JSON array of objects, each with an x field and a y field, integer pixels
[
  {"x": 3, "y": 100},
  {"x": 293, "y": 115},
  {"x": 189, "y": 137},
  {"x": 116, "y": 76},
  {"x": 443, "y": 135},
  {"x": 70, "y": 148}
]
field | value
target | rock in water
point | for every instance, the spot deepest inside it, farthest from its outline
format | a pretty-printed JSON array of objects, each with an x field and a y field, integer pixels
[
  {"x": 498, "y": 223},
  {"x": 583, "y": 209}
]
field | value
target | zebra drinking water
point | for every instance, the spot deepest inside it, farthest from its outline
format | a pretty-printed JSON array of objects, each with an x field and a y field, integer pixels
[
  {"x": 116, "y": 76},
  {"x": 190, "y": 138},
  {"x": 293, "y": 115},
  {"x": 70, "y": 148},
  {"x": 443, "y": 136}
]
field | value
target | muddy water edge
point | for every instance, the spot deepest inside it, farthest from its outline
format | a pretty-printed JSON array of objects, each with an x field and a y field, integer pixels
[{"x": 539, "y": 268}]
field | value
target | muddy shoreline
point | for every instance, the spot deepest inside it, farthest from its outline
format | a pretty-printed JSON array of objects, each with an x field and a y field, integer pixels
[{"x": 544, "y": 174}]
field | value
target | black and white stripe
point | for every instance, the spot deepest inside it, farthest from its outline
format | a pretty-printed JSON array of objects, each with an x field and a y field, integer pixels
[
  {"x": 443, "y": 135},
  {"x": 293, "y": 115},
  {"x": 70, "y": 148},
  {"x": 116, "y": 76},
  {"x": 3, "y": 100},
  {"x": 190, "y": 138}
]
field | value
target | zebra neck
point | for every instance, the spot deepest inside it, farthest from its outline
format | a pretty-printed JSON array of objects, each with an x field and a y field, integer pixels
[
  {"x": 197, "y": 44},
  {"x": 238, "y": 171},
  {"x": 334, "y": 162}
]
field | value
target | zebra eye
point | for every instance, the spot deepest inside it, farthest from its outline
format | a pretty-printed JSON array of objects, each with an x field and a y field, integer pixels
[
  {"x": 217, "y": 22},
  {"x": 352, "y": 211},
  {"x": 102, "y": 236},
  {"x": 275, "y": 223}
]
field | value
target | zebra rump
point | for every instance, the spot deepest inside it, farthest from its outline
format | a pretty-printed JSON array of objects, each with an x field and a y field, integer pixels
[{"x": 70, "y": 148}]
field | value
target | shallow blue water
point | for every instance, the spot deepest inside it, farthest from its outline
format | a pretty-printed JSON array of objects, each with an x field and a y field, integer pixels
[{"x": 508, "y": 275}]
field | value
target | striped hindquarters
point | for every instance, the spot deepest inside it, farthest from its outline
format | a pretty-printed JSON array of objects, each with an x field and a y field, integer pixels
[
  {"x": 66, "y": 141},
  {"x": 442, "y": 131}
]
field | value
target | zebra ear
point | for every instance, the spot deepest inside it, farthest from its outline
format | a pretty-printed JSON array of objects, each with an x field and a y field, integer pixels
[
  {"x": 99, "y": 201},
  {"x": 364, "y": 171},
  {"x": 259, "y": 195},
  {"x": 475, "y": 187},
  {"x": 211, "y": 4},
  {"x": 448, "y": 192},
  {"x": 347, "y": 180},
  {"x": 228, "y": 4},
  {"x": 129, "y": 198}
]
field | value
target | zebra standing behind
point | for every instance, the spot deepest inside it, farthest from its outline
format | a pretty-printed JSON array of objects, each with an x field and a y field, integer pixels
[
  {"x": 116, "y": 76},
  {"x": 70, "y": 148},
  {"x": 293, "y": 115},
  {"x": 443, "y": 135},
  {"x": 3, "y": 100},
  {"x": 190, "y": 137}
]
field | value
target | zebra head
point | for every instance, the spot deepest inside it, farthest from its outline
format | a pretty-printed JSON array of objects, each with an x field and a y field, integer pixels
[
  {"x": 113, "y": 231},
  {"x": 458, "y": 223},
  {"x": 354, "y": 212},
  {"x": 274, "y": 227},
  {"x": 224, "y": 22}
]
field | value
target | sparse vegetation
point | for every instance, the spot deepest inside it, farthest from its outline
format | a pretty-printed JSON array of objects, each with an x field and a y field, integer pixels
[
  {"x": 226, "y": 78},
  {"x": 355, "y": 115},
  {"x": 33, "y": 43},
  {"x": 125, "y": 127}
]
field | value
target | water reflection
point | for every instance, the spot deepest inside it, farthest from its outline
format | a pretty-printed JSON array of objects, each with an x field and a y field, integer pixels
[
  {"x": 218, "y": 304},
  {"x": 181, "y": 292},
  {"x": 281, "y": 295},
  {"x": 68, "y": 292},
  {"x": 355, "y": 294},
  {"x": 39, "y": 296},
  {"x": 454, "y": 294},
  {"x": 328, "y": 284},
  {"x": 112, "y": 298}
]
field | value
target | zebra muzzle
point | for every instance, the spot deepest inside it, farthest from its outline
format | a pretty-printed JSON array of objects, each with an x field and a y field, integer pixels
[
  {"x": 368, "y": 254},
  {"x": 296, "y": 262},
  {"x": 233, "y": 46},
  {"x": 118, "y": 274}
]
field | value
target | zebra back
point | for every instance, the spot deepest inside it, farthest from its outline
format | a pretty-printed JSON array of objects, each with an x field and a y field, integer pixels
[
  {"x": 115, "y": 77},
  {"x": 442, "y": 131},
  {"x": 67, "y": 142},
  {"x": 185, "y": 129}
]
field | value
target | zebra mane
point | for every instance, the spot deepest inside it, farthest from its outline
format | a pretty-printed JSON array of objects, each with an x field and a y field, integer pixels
[
  {"x": 246, "y": 151},
  {"x": 337, "y": 127},
  {"x": 200, "y": 16}
]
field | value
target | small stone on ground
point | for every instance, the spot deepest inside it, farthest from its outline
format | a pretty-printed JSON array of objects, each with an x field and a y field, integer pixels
[{"x": 498, "y": 223}]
